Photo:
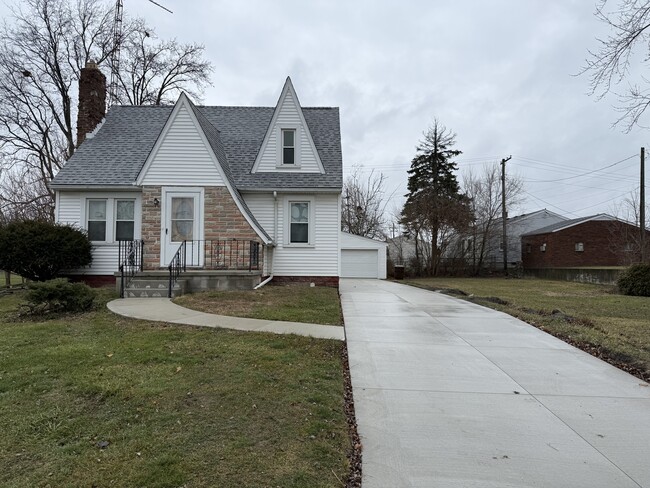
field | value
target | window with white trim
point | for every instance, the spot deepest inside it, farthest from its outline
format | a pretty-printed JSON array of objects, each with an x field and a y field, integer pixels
[
  {"x": 124, "y": 220},
  {"x": 110, "y": 219},
  {"x": 580, "y": 247},
  {"x": 288, "y": 146},
  {"x": 96, "y": 220},
  {"x": 299, "y": 222}
]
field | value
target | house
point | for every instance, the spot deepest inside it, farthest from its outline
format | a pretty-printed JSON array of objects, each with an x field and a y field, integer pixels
[
  {"x": 401, "y": 249},
  {"x": 182, "y": 190},
  {"x": 488, "y": 243},
  {"x": 595, "y": 241}
]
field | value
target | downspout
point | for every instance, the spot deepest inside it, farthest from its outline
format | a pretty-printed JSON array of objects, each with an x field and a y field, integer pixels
[{"x": 275, "y": 239}]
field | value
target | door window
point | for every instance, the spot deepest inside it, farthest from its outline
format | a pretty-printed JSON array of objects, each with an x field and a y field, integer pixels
[{"x": 182, "y": 221}]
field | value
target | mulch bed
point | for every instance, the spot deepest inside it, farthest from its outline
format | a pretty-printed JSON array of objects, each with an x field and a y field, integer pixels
[{"x": 354, "y": 455}]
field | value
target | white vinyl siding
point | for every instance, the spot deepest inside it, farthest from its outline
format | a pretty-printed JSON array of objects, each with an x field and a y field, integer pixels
[
  {"x": 182, "y": 157},
  {"x": 321, "y": 257},
  {"x": 71, "y": 210},
  {"x": 289, "y": 118}
]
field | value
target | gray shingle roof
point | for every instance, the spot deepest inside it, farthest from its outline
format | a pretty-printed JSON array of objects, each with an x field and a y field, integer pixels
[
  {"x": 214, "y": 139},
  {"x": 567, "y": 223},
  {"x": 116, "y": 154}
]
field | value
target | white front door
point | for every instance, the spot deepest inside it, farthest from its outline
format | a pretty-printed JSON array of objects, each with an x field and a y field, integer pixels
[{"x": 182, "y": 222}]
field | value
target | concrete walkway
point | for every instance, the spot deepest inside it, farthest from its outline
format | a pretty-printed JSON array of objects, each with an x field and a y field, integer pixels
[
  {"x": 451, "y": 394},
  {"x": 163, "y": 310}
]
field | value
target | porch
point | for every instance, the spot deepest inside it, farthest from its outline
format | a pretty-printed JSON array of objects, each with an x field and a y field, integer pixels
[{"x": 197, "y": 265}]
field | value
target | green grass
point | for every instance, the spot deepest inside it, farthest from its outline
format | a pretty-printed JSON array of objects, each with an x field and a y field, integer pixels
[
  {"x": 292, "y": 303},
  {"x": 14, "y": 279},
  {"x": 617, "y": 325},
  {"x": 179, "y": 406}
]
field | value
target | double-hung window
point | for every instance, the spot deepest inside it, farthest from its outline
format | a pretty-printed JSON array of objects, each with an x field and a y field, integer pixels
[
  {"x": 111, "y": 219},
  {"x": 124, "y": 220},
  {"x": 288, "y": 146},
  {"x": 97, "y": 220},
  {"x": 299, "y": 222}
]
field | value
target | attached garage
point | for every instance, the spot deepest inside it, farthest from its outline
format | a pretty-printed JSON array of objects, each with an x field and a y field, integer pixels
[{"x": 362, "y": 257}]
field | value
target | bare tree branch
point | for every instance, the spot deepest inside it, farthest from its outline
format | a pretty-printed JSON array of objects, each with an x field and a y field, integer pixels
[
  {"x": 363, "y": 211},
  {"x": 609, "y": 65}
]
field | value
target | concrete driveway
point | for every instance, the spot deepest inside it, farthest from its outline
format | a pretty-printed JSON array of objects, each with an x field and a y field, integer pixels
[{"x": 451, "y": 394}]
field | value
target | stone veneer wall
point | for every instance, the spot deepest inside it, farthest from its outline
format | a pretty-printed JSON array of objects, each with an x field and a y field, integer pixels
[
  {"x": 151, "y": 226},
  {"x": 222, "y": 220}
]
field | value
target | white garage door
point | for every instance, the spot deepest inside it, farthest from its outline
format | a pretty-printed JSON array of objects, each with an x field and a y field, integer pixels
[{"x": 359, "y": 263}]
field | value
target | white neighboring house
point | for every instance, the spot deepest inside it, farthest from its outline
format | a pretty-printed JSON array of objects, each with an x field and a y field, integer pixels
[{"x": 244, "y": 189}]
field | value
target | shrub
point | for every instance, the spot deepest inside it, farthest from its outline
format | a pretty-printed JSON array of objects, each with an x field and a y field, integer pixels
[
  {"x": 635, "y": 280},
  {"x": 58, "y": 295},
  {"x": 39, "y": 251}
]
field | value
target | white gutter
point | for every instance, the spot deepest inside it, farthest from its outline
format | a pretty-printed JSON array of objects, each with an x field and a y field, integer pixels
[
  {"x": 275, "y": 239},
  {"x": 263, "y": 282}
]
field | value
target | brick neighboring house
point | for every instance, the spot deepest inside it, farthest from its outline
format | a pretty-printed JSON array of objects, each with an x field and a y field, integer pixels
[{"x": 595, "y": 241}]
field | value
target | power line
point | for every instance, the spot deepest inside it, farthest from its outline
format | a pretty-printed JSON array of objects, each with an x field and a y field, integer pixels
[{"x": 588, "y": 172}]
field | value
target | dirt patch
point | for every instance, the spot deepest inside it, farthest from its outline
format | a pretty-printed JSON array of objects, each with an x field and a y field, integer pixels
[
  {"x": 497, "y": 300},
  {"x": 354, "y": 456},
  {"x": 453, "y": 291}
]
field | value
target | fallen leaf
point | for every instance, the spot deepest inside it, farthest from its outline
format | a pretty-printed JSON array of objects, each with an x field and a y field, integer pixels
[
  {"x": 178, "y": 368},
  {"x": 110, "y": 355}
]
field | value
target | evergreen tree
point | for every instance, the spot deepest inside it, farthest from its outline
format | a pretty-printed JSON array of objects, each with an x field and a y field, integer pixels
[{"x": 434, "y": 203}]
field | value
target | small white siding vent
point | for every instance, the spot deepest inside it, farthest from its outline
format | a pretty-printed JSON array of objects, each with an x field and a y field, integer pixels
[{"x": 580, "y": 247}]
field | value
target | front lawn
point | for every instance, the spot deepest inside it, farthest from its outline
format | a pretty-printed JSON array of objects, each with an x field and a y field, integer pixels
[
  {"x": 291, "y": 303},
  {"x": 100, "y": 400},
  {"x": 593, "y": 317}
]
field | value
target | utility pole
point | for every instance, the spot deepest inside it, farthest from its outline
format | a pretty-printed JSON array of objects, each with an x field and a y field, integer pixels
[
  {"x": 642, "y": 208},
  {"x": 504, "y": 214}
]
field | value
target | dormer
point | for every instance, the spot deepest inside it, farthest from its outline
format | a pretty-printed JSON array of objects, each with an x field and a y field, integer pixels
[{"x": 288, "y": 145}]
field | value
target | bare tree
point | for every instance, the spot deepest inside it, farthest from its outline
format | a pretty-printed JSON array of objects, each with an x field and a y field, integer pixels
[
  {"x": 155, "y": 72},
  {"x": 484, "y": 191},
  {"x": 609, "y": 65},
  {"x": 43, "y": 47},
  {"x": 363, "y": 211},
  {"x": 625, "y": 233}
]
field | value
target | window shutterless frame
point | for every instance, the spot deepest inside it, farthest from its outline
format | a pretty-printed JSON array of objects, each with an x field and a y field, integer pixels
[
  {"x": 96, "y": 219},
  {"x": 124, "y": 219},
  {"x": 299, "y": 222},
  {"x": 288, "y": 146}
]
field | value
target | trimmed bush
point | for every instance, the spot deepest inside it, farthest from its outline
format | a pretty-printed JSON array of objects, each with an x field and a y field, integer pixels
[
  {"x": 635, "y": 280},
  {"x": 39, "y": 251},
  {"x": 58, "y": 295}
]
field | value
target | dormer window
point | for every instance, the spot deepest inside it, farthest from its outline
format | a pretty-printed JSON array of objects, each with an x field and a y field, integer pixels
[{"x": 289, "y": 146}]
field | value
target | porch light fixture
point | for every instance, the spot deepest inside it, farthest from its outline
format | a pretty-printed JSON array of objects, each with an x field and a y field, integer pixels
[{"x": 156, "y": 202}]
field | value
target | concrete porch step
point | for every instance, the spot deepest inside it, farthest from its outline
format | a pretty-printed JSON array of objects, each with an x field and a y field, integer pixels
[{"x": 144, "y": 287}]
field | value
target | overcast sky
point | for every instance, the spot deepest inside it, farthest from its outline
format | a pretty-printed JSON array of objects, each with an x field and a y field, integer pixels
[{"x": 500, "y": 74}]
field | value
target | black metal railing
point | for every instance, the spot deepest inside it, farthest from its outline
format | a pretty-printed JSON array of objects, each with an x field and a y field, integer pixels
[
  {"x": 224, "y": 254},
  {"x": 214, "y": 254},
  {"x": 176, "y": 266},
  {"x": 129, "y": 256}
]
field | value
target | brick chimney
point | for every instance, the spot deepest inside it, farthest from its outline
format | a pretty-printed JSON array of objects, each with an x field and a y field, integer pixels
[{"x": 92, "y": 100}]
